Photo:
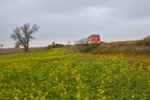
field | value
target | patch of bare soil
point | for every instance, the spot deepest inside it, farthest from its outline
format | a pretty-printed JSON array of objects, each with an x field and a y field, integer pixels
[{"x": 7, "y": 51}]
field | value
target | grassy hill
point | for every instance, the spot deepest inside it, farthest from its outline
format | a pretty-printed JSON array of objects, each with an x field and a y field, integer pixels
[
  {"x": 60, "y": 74},
  {"x": 143, "y": 42}
]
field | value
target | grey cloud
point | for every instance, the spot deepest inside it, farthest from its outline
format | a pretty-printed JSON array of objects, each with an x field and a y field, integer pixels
[
  {"x": 133, "y": 9},
  {"x": 63, "y": 20}
]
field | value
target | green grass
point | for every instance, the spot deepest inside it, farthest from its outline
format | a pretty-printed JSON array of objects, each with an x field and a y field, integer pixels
[
  {"x": 55, "y": 74},
  {"x": 139, "y": 59}
]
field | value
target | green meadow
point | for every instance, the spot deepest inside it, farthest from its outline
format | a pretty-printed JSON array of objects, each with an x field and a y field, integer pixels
[{"x": 55, "y": 74}]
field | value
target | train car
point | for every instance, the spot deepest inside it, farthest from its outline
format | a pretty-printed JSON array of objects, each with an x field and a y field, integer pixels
[
  {"x": 94, "y": 38},
  {"x": 83, "y": 41}
]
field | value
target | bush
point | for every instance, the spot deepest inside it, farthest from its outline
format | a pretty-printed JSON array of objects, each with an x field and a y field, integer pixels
[
  {"x": 55, "y": 46},
  {"x": 89, "y": 48}
]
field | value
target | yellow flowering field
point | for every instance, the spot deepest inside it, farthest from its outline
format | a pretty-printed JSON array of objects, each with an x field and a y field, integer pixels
[{"x": 56, "y": 75}]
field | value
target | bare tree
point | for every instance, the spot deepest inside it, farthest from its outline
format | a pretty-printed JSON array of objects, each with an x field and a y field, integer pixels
[
  {"x": 24, "y": 34},
  {"x": 1, "y": 45}
]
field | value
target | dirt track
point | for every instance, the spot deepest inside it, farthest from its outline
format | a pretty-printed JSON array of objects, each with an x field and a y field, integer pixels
[{"x": 7, "y": 51}]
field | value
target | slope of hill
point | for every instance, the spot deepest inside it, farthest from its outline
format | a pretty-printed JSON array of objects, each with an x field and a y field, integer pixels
[
  {"x": 143, "y": 42},
  {"x": 55, "y": 74}
]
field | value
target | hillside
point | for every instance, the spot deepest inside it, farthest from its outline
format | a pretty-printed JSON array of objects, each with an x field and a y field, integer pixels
[
  {"x": 58, "y": 74},
  {"x": 143, "y": 42}
]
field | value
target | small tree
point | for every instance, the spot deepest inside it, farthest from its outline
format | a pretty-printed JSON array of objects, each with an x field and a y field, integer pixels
[
  {"x": 146, "y": 41},
  {"x": 1, "y": 45},
  {"x": 24, "y": 34}
]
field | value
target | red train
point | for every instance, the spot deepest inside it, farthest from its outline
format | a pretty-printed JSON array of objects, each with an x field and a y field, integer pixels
[{"x": 94, "y": 38}]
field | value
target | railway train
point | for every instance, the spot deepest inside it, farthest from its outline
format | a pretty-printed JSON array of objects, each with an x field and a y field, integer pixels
[{"x": 93, "y": 38}]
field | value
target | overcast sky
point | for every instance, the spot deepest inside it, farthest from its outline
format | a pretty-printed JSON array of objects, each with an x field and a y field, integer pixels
[{"x": 69, "y": 20}]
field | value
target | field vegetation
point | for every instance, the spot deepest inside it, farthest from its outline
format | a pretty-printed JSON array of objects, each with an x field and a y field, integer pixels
[
  {"x": 134, "y": 51},
  {"x": 66, "y": 74}
]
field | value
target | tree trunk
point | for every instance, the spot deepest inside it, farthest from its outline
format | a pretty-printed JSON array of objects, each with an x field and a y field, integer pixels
[{"x": 26, "y": 48}]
